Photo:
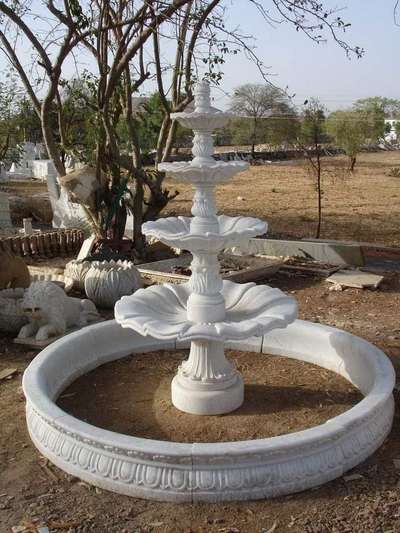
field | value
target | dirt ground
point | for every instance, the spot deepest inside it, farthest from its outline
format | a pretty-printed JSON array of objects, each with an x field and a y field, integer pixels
[
  {"x": 33, "y": 492},
  {"x": 281, "y": 396},
  {"x": 364, "y": 206}
]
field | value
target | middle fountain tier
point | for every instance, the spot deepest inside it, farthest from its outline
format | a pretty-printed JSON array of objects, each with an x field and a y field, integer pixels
[{"x": 206, "y": 311}]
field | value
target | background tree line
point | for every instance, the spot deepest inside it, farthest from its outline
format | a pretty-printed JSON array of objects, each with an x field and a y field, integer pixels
[{"x": 122, "y": 41}]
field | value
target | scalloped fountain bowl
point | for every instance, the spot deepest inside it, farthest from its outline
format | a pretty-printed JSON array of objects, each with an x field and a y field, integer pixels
[
  {"x": 175, "y": 231},
  {"x": 212, "y": 172},
  {"x": 216, "y": 471},
  {"x": 161, "y": 311}
]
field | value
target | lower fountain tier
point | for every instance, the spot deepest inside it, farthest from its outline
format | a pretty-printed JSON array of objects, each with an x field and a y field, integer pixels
[
  {"x": 161, "y": 312},
  {"x": 178, "y": 232},
  {"x": 208, "y": 172}
]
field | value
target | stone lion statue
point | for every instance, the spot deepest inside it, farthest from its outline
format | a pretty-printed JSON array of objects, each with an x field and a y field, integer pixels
[{"x": 50, "y": 311}]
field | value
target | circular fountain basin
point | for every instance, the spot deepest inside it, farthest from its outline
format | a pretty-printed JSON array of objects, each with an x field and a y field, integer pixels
[{"x": 211, "y": 472}]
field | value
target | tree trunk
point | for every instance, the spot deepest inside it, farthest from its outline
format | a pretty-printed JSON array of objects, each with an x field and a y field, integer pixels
[
  {"x": 353, "y": 160},
  {"x": 170, "y": 140},
  {"x": 48, "y": 136},
  {"x": 139, "y": 242},
  {"x": 120, "y": 222},
  {"x": 162, "y": 136},
  {"x": 319, "y": 192},
  {"x": 253, "y": 138}
]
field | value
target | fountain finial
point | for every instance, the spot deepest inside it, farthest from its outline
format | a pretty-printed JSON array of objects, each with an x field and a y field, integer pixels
[{"x": 202, "y": 101}]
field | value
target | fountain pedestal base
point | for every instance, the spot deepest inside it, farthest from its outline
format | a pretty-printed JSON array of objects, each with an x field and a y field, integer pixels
[
  {"x": 207, "y": 401},
  {"x": 207, "y": 383}
]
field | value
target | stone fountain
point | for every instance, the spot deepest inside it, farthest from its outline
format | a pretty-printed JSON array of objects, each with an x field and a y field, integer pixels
[
  {"x": 207, "y": 314},
  {"x": 206, "y": 311}
]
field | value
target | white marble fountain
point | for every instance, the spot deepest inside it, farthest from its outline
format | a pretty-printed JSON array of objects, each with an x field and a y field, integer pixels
[
  {"x": 205, "y": 311},
  {"x": 207, "y": 314}
]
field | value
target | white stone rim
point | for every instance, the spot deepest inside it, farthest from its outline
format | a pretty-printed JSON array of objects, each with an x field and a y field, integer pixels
[
  {"x": 272, "y": 309},
  {"x": 200, "y": 471},
  {"x": 175, "y": 231}
]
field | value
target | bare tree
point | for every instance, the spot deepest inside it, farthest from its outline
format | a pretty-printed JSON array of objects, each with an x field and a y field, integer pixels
[
  {"x": 311, "y": 139},
  {"x": 125, "y": 39},
  {"x": 257, "y": 102}
]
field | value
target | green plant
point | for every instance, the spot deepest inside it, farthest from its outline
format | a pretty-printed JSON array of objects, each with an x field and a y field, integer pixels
[
  {"x": 352, "y": 129},
  {"x": 312, "y": 136},
  {"x": 394, "y": 172}
]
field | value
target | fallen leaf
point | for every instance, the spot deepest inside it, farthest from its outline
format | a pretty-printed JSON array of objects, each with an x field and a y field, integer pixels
[{"x": 353, "y": 477}]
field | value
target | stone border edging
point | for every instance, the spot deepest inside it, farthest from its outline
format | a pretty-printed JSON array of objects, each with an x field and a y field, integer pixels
[
  {"x": 52, "y": 243},
  {"x": 217, "y": 471}
]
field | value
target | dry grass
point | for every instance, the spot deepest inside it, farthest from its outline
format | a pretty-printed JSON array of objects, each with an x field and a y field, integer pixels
[{"x": 363, "y": 207}]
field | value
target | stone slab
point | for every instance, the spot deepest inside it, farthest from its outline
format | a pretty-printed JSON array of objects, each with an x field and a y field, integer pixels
[
  {"x": 332, "y": 253},
  {"x": 7, "y": 373},
  {"x": 86, "y": 248},
  {"x": 312, "y": 269},
  {"x": 356, "y": 278},
  {"x": 251, "y": 269}
]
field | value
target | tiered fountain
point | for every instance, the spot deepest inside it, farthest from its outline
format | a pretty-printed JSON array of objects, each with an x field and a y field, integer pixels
[{"x": 205, "y": 311}]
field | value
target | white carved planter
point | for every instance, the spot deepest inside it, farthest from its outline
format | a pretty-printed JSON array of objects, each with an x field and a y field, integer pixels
[
  {"x": 77, "y": 270},
  {"x": 217, "y": 471},
  {"x": 107, "y": 281}
]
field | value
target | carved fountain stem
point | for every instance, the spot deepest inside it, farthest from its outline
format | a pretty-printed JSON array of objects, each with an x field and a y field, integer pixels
[
  {"x": 207, "y": 364},
  {"x": 207, "y": 311}
]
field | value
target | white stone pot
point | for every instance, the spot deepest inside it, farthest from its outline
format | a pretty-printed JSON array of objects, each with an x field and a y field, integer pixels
[
  {"x": 107, "y": 281},
  {"x": 77, "y": 270}
]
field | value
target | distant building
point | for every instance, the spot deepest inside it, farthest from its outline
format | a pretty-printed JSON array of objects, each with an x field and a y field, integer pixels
[
  {"x": 390, "y": 129},
  {"x": 31, "y": 164}
]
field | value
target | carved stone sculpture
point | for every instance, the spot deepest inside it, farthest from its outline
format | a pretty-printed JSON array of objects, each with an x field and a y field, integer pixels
[
  {"x": 81, "y": 184},
  {"x": 66, "y": 214},
  {"x": 50, "y": 311},
  {"x": 77, "y": 270},
  {"x": 107, "y": 281}
]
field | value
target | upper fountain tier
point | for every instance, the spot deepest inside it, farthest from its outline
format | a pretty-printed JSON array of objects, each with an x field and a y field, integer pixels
[
  {"x": 204, "y": 117},
  {"x": 181, "y": 232},
  {"x": 203, "y": 121}
]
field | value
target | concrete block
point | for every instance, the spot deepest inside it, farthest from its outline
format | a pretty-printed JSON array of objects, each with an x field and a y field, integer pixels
[{"x": 332, "y": 253}]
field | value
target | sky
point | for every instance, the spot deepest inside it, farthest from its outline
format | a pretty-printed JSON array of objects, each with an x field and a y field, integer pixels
[
  {"x": 323, "y": 70},
  {"x": 308, "y": 69}
]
